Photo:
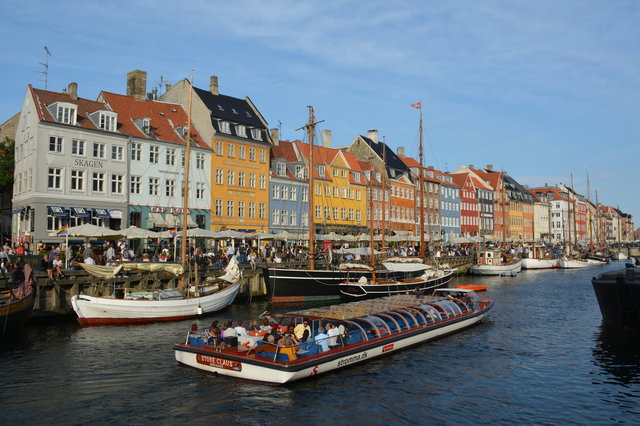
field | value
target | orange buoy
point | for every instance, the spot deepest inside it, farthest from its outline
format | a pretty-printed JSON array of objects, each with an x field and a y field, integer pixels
[{"x": 474, "y": 287}]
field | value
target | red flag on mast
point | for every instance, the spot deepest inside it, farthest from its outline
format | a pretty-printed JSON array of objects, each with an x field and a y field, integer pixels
[{"x": 418, "y": 105}]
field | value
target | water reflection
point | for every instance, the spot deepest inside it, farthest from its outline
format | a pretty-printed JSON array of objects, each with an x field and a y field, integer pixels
[{"x": 617, "y": 353}]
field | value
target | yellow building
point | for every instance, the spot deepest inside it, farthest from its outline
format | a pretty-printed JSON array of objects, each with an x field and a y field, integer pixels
[{"x": 240, "y": 140}]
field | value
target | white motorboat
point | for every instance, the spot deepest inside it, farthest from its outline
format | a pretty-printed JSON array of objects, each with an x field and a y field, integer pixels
[
  {"x": 532, "y": 263},
  {"x": 566, "y": 263},
  {"x": 493, "y": 262}
]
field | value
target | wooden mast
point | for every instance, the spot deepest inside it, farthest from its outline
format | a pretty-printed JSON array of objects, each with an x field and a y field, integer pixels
[
  {"x": 569, "y": 222},
  {"x": 383, "y": 176},
  {"x": 589, "y": 221},
  {"x": 185, "y": 196},
  {"x": 421, "y": 182},
  {"x": 311, "y": 127}
]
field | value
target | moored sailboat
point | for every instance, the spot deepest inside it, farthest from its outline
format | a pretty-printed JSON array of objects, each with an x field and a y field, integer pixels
[{"x": 16, "y": 306}]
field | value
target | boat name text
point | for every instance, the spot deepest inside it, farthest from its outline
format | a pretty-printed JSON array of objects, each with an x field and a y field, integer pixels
[
  {"x": 216, "y": 362},
  {"x": 351, "y": 359}
]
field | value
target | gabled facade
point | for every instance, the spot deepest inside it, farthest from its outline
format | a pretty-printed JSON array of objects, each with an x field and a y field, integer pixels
[
  {"x": 541, "y": 218},
  {"x": 70, "y": 165},
  {"x": 469, "y": 208},
  {"x": 429, "y": 196},
  {"x": 240, "y": 143},
  {"x": 449, "y": 205},
  {"x": 157, "y": 134}
]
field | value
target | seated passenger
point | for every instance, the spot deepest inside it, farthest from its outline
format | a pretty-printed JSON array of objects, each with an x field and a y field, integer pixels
[
  {"x": 253, "y": 326},
  {"x": 240, "y": 329},
  {"x": 265, "y": 325},
  {"x": 287, "y": 347},
  {"x": 322, "y": 339},
  {"x": 301, "y": 328}
]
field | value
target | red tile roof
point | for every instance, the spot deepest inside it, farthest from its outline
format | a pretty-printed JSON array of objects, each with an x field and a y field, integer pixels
[{"x": 44, "y": 98}]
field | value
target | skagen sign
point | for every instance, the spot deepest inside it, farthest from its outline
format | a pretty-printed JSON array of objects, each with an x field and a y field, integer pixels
[{"x": 89, "y": 163}]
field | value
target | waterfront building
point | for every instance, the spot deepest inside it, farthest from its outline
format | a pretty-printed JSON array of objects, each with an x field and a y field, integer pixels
[
  {"x": 289, "y": 187},
  {"x": 430, "y": 200},
  {"x": 541, "y": 217},
  {"x": 340, "y": 189},
  {"x": 449, "y": 205},
  {"x": 558, "y": 200},
  {"x": 399, "y": 188},
  {"x": 157, "y": 134},
  {"x": 486, "y": 196},
  {"x": 469, "y": 211},
  {"x": 70, "y": 165},
  {"x": 240, "y": 142}
]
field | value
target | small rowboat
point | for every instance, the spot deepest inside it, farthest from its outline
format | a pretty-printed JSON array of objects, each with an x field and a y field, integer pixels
[
  {"x": 365, "y": 329},
  {"x": 474, "y": 287}
]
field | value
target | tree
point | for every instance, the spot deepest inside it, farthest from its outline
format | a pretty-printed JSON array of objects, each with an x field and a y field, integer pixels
[{"x": 6, "y": 163}]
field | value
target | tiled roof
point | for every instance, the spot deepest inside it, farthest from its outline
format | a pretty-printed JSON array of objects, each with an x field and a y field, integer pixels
[
  {"x": 284, "y": 150},
  {"x": 44, "y": 98},
  {"x": 165, "y": 118},
  {"x": 410, "y": 162},
  {"x": 383, "y": 151}
]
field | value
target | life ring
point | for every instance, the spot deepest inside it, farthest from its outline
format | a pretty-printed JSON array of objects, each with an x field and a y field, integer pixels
[{"x": 481, "y": 260}]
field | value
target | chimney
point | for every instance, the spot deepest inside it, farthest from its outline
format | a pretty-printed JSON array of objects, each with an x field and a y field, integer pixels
[
  {"x": 401, "y": 151},
  {"x": 167, "y": 87},
  {"x": 137, "y": 84},
  {"x": 326, "y": 138},
  {"x": 213, "y": 85},
  {"x": 471, "y": 166},
  {"x": 373, "y": 135},
  {"x": 73, "y": 90},
  {"x": 275, "y": 136},
  {"x": 490, "y": 167}
]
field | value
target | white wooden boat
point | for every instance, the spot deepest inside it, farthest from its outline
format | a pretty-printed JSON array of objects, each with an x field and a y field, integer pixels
[
  {"x": 405, "y": 264},
  {"x": 492, "y": 262},
  {"x": 153, "y": 306},
  {"x": 566, "y": 263},
  {"x": 532, "y": 263},
  {"x": 619, "y": 256},
  {"x": 369, "y": 329}
]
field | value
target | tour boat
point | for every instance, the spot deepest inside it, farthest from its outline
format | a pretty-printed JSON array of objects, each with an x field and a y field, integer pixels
[
  {"x": 130, "y": 306},
  {"x": 493, "y": 262},
  {"x": 366, "y": 329},
  {"x": 16, "y": 306},
  {"x": 618, "y": 294}
]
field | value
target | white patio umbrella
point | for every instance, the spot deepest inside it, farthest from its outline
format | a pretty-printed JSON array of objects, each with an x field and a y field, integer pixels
[
  {"x": 89, "y": 230},
  {"x": 133, "y": 232}
]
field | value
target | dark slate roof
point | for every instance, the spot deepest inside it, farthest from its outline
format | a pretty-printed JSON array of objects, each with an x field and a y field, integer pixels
[
  {"x": 231, "y": 109},
  {"x": 390, "y": 157},
  {"x": 516, "y": 190}
]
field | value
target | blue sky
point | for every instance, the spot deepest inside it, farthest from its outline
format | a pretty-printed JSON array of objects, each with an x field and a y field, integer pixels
[{"x": 540, "y": 89}]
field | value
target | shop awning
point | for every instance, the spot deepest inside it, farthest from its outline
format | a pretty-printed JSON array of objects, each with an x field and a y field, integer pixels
[
  {"x": 102, "y": 213},
  {"x": 57, "y": 211},
  {"x": 155, "y": 220},
  {"x": 80, "y": 212}
]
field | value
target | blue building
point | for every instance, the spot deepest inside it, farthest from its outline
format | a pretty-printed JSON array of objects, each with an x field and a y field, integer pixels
[
  {"x": 449, "y": 206},
  {"x": 288, "y": 190}
]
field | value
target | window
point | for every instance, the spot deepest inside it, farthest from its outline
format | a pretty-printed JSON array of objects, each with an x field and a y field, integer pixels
[
  {"x": 199, "y": 161},
  {"x": 117, "y": 182},
  {"x": 293, "y": 219},
  {"x": 304, "y": 219},
  {"x": 231, "y": 150},
  {"x": 146, "y": 126},
  {"x": 170, "y": 187},
  {"x": 229, "y": 208},
  {"x": 252, "y": 209},
  {"x": 263, "y": 182},
  {"x": 344, "y": 213},
  {"x": 99, "y": 150},
  {"x": 218, "y": 210},
  {"x": 335, "y": 172},
  {"x": 231, "y": 177},
  {"x": 318, "y": 189},
  {"x": 154, "y": 154},
  {"x": 171, "y": 157},
  {"x": 219, "y": 178},
  {"x": 327, "y": 191},
  {"x": 117, "y": 152},
  {"x": 318, "y": 211},
  {"x": 351, "y": 214},
  {"x": 281, "y": 169},
  {"x": 262, "y": 211},
  {"x": 293, "y": 193},
  {"x": 321, "y": 171},
  {"x": 136, "y": 151},
  {"x": 305, "y": 194},
  {"x": 276, "y": 192},
  {"x": 344, "y": 192},
  {"x": 256, "y": 134},
  {"x": 276, "y": 217},
  {"x": 252, "y": 180},
  {"x": 336, "y": 212},
  {"x": 55, "y": 144},
  {"x": 224, "y": 127},
  {"x": 299, "y": 172},
  {"x": 66, "y": 114},
  {"x": 77, "y": 147},
  {"x": 135, "y": 182},
  {"x": 241, "y": 152},
  {"x": 351, "y": 193},
  {"x": 252, "y": 154},
  {"x": 219, "y": 148},
  {"x": 55, "y": 178},
  {"x": 200, "y": 190},
  {"x": 98, "y": 182},
  {"x": 285, "y": 217},
  {"x": 108, "y": 122},
  {"x": 241, "y": 130},
  {"x": 154, "y": 186},
  {"x": 336, "y": 192},
  {"x": 327, "y": 212},
  {"x": 77, "y": 180},
  {"x": 240, "y": 208},
  {"x": 358, "y": 215}
]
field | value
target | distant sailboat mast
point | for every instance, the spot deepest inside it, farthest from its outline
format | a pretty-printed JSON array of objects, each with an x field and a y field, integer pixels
[
  {"x": 421, "y": 182},
  {"x": 185, "y": 197}
]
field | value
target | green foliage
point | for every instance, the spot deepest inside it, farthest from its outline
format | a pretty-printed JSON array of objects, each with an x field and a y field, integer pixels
[{"x": 6, "y": 162}]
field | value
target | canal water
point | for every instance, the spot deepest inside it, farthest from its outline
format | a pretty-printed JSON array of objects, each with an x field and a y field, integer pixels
[{"x": 541, "y": 356}]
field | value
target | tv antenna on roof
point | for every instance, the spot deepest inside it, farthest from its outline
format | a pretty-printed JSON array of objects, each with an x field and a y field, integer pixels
[{"x": 46, "y": 67}]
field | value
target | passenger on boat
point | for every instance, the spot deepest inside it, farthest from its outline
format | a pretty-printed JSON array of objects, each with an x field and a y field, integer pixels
[
  {"x": 253, "y": 326},
  {"x": 322, "y": 339},
  {"x": 265, "y": 325},
  {"x": 300, "y": 329},
  {"x": 240, "y": 329},
  {"x": 333, "y": 333},
  {"x": 287, "y": 347}
]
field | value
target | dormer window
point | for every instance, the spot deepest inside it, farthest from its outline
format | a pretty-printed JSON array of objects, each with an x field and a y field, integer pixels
[
  {"x": 321, "y": 171},
  {"x": 224, "y": 127},
  {"x": 233, "y": 110},
  {"x": 66, "y": 113},
  {"x": 248, "y": 114},
  {"x": 220, "y": 108},
  {"x": 256, "y": 134},
  {"x": 356, "y": 177},
  {"x": 378, "y": 176},
  {"x": 281, "y": 169},
  {"x": 241, "y": 130},
  {"x": 108, "y": 121},
  {"x": 146, "y": 126}
]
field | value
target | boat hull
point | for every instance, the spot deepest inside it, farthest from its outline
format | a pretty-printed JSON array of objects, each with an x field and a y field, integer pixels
[
  {"x": 618, "y": 295},
  {"x": 217, "y": 362},
  {"x": 15, "y": 315},
  {"x": 500, "y": 270},
  {"x": 531, "y": 263},
  {"x": 109, "y": 311},
  {"x": 573, "y": 264},
  {"x": 364, "y": 291}
]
